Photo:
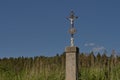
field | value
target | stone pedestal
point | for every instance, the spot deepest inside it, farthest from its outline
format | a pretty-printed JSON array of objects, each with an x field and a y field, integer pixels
[{"x": 72, "y": 63}]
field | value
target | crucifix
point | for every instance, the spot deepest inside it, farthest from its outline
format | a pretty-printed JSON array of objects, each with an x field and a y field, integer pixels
[{"x": 72, "y": 30}]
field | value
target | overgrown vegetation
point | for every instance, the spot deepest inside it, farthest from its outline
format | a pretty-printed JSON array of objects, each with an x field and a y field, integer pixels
[{"x": 91, "y": 67}]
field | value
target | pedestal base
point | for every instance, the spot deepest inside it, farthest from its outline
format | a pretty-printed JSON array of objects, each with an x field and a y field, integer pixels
[{"x": 72, "y": 63}]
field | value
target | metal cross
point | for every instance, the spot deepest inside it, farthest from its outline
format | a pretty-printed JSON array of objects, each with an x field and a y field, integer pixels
[{"x": 72, "y": 30}]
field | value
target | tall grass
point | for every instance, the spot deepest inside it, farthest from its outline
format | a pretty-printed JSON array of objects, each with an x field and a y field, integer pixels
[
  {"x": 54, "y": 69},
  {"x": 92, "y": 73}
]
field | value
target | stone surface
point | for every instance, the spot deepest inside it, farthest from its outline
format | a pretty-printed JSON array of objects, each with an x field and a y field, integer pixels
[
  {"x": 72, "y": 49},
  {"x": 72, "y": 63}
]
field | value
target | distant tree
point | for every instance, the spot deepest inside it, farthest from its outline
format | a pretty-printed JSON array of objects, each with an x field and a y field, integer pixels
[
  {"x": 83, "y": 62},
  {"x": 91, "y": 59},
  {"x": 104, "y": 60},
  {"x": 63, "y": 59},
  {"x": 98, "y": 59},
  {"x": 113, "y": 58}
]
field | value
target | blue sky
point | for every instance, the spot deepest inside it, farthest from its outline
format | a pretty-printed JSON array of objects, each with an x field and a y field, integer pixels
[{"x": 39, "y": 27}]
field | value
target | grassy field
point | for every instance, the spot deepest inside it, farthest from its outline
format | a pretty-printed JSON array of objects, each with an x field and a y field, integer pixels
[
  {"x": 59, "y": 74},
  {"x": 53, "y": 68}
]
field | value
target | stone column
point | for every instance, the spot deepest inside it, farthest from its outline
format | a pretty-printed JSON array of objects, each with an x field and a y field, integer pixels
[{"x": 72, "y": 63}]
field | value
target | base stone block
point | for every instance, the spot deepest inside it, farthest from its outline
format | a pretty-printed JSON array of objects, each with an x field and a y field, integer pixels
[{"x": 72, "y": 63}]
